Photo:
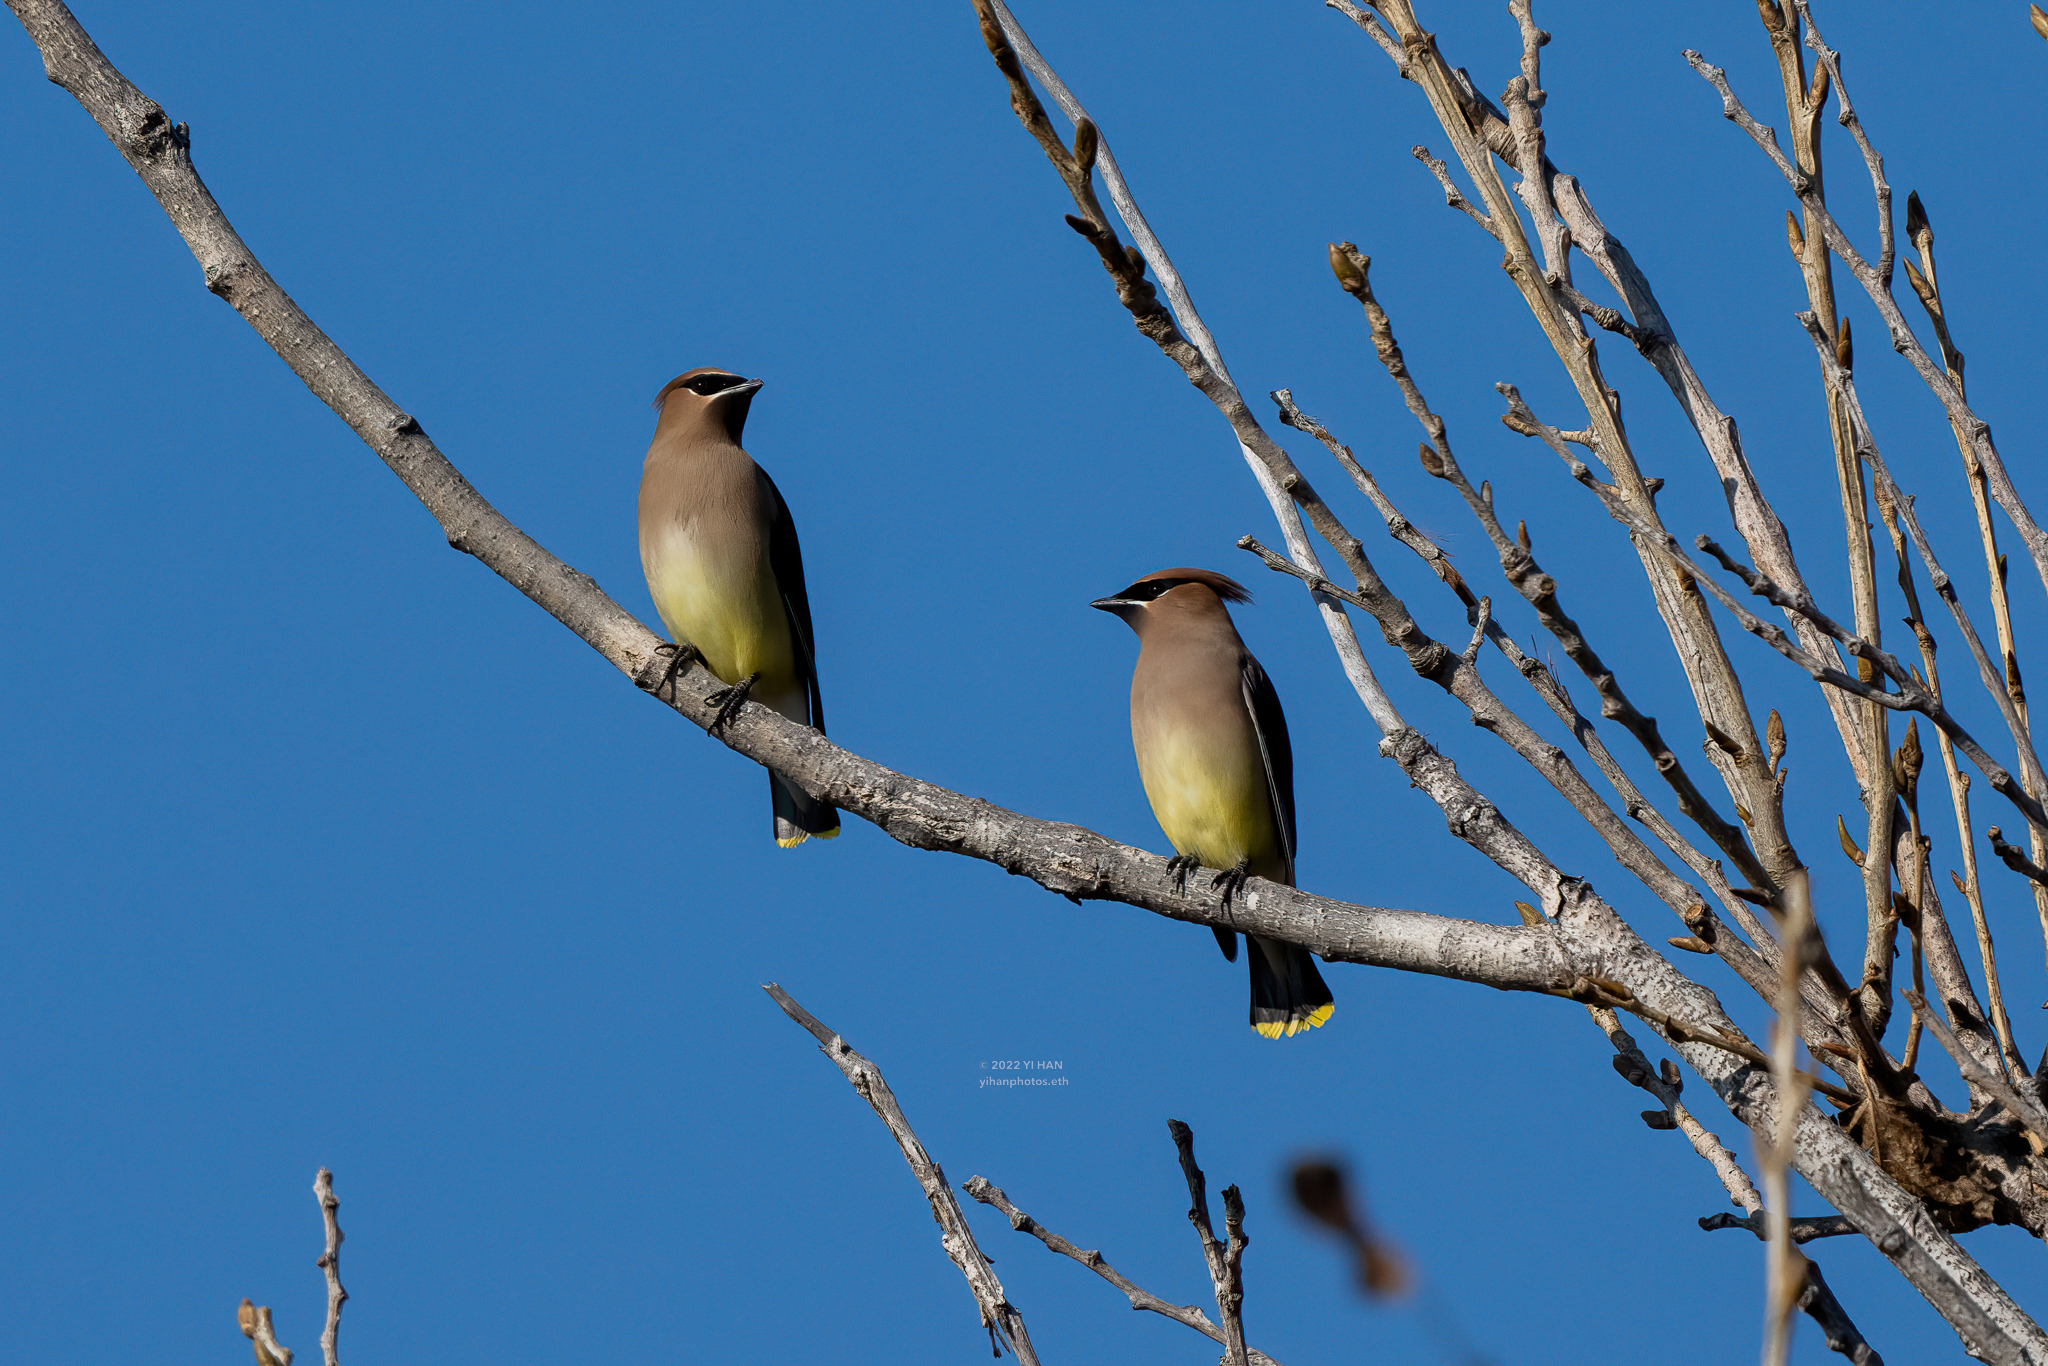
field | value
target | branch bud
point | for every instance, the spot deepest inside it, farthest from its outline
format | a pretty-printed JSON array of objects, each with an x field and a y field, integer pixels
[
  {"x": 1773, "y": 17},
  {"x": 1921, "y": 288},
  {"x": 1845, "y": 349},
  {"x": 1907, "y": 760},
  {"x": 1725, "y": 741},
  {"x": 2039, "y": 20},
  {"x": 1774, "y": 738},
  {"x": 1432, "y": 463},
  {"x": 1817, "y": 92},
  {"x": 1917, "y": 225},
  {"x": 1794, "y": 238},
  {"x": 1085, "y": 143},
  {"x": 1659, "y": 1119},
  {"x": 1344, "y": 264},
  {"x": 1691, "y": 943},
  {"x": 1849, "y": 845}
]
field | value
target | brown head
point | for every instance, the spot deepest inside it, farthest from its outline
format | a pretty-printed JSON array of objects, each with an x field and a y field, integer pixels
[
  {"x": 708, "y": 399},
  {"x": 1185, "y": 594}
]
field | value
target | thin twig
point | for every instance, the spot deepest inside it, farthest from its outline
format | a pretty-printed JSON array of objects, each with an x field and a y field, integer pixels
[
  {"x": 1353, "y": 269},
  {"x": 1877, "y": 285},
  {"x": 1613, "y": 995},
  {"x": 1453, "y": 196},
  {"x": 1479, "y": 133},
  {"x": 1818, "y": 1301},
  {"x": 992, "y": 1195},
  {"x": 1756, "y": 966},
  {"x": 1927, "y": 287},
  {"x": 2015, "y": 858},
  {"x": 330, "y": 1262},
  {"x": 1959, "y": 798},
  {"x": 1177, "y": 330},
  {"x": 998, "y": 1315},
  {"x": 1911, "y": 696},
  {"x": 1222, "y": 1273},
  {"x": 1803, "y": 1230},
  {"x": 255, "y": 1322}
]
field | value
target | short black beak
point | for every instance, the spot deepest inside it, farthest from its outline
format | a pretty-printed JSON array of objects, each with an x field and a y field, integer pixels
[
  {"x": 1116, "y": 605},
  {"x": 734, "y": 391}
]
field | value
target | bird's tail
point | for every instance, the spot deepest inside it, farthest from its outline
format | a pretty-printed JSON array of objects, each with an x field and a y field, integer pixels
[
  {"x": 799, "y": 815},
  {"x": 1288, "y": 994}
]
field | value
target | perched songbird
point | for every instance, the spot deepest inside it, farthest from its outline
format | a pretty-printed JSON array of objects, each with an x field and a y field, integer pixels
[
  {"x": 724, "y": 570},
  {"x": 1213, "y": 754}
]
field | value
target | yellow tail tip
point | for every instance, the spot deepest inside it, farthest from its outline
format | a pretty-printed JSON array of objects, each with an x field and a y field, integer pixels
[{"x": 1315, "y": 1019}]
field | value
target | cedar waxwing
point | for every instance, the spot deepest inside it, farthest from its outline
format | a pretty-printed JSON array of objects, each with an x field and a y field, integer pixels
[
  {"x": 1213, "y": 755},
  {"x": 723, "y": 567}
]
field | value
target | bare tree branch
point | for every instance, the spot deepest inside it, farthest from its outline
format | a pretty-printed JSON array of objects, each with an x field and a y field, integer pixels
[
  {"x": 1877, "y": 284},
  {"x": 2017, "y": 1103},
  {"x": 1803, "y": 1230},
  {"x": 1912, "y": 695},
  {"x": 1223, "y": 1260},
  {"x": 998, "y": 1315},
  {"x": 1803, "y": 103},
  {"x": 256, "y": 1327},
  {"x": 1824, "y": 1309},
  {"x": 1478, "y": 133},
  {"x": 1180, "y": 333},
  {"x": 1959, "y": 797},
  {"x": 330, "y": 1262},
  {"x": 1816, "y": 1300},
  {"x": 1926, "y": 285},
  {"x": 992, "y": 1195}
]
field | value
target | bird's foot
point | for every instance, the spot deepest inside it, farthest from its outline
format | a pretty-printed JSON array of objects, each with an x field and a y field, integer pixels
[
  {"x": 730, "y": 700},
  {"x": 680, "y": 657},
  {"x": 1232, "y": 880},
  {"x": 1178, "y": 867}
]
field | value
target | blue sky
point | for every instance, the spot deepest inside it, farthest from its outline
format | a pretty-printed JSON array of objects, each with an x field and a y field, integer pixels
[{"x": 327, "y": 847}]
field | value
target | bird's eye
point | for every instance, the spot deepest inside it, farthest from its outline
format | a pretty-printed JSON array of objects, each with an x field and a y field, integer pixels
[{"x": 707, "y": 385}]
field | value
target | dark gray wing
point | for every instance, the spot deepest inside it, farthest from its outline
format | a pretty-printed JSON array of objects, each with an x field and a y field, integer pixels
[
  {"x": 786, "y": 561},
  {"x": 1271, "y": 724}
]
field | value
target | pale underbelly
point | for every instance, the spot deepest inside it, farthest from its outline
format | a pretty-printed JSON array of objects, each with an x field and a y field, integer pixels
[
  {"x": 1219, "y": 814},
  {"x": 736, "y": 621}
]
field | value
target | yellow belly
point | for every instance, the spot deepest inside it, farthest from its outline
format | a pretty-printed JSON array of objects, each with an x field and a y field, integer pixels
[
  {"x": 733, "y": 614},
  {"x": 1216, "y": 812}
]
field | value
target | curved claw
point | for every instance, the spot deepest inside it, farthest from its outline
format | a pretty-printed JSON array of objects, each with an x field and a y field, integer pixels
[
  {"x": 729, "y": 701},
  {"x": 681, "y": 656},
  {"x": 1178, "y": 867},
  {"x": 1232, "y": 880}
]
